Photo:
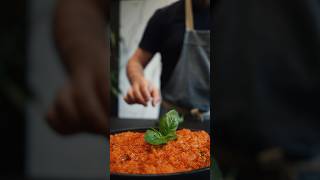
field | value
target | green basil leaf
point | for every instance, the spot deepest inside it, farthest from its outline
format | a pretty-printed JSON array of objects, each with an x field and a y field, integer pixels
[
  {"x": 154, "y": 137},
  {"x": 168, "y": 126},
  {"x": 169, "y": 122},
  {"x": 171, "y": 136}
]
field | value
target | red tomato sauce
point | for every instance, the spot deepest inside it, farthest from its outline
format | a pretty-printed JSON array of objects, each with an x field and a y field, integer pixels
[{"x": 129, "y": 153}]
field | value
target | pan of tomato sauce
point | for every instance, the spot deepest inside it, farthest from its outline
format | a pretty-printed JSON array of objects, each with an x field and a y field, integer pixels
[{"x": 187, "y": 157}]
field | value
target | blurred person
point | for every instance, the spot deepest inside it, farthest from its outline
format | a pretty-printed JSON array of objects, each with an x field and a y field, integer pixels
[
  {"x": 81, "y": 105},
  {"x": 180, "y": 33},
  {"x": 268, "y": 89}
]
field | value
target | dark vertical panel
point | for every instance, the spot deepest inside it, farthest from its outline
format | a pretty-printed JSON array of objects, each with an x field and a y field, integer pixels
[
  {"x": 13, "y": 90},
  {"x": 114, "y": 64}
]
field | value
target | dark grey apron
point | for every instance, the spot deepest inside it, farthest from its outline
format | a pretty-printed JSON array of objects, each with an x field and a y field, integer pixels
[{"x": 189, "y": 85}]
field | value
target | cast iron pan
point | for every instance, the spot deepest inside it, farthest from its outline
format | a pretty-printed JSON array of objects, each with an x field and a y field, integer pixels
[{"x": 199, "y": 174}]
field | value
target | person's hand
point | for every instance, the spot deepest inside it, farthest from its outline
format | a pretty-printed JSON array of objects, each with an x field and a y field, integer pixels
[
  {"x": 142, "y": 92},
  {"x": 81, "y": 104}
]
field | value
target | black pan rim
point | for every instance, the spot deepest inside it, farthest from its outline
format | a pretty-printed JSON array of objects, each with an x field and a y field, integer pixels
[{"x": 206, "y": 169}]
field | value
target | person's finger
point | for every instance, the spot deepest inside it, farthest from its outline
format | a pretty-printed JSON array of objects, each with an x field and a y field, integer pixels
[
  {"x": 144, "y": 89},
  {"x": 138, "y": 96},
  {"x": 94, "y": 115},
  {"x": 102, "y": 87},
  {"x": 129, "y": 97},
  {"x": 54, "y": 121},
  {"x": 51, "y": 118},
  {"x": 67, "y": 111},
  {"x": 155, "y": 94},
  {"x": 126, "y": 99},
  {"x": 62, "y": 116}
]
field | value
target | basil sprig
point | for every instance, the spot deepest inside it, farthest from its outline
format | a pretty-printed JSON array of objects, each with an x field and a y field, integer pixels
[{"x": 168, "y": 126}]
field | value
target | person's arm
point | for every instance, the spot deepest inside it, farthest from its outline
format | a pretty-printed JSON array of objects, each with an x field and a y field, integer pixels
[
  {"x": 141, "y": 90},
  {"x": 137, "y": 63},
  {"x": 80, "y": 32}
]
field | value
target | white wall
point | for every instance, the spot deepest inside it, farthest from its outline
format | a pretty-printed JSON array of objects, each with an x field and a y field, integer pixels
[
  {"x": 49, "y": 155},
  {"x": 134, "y": 15}
]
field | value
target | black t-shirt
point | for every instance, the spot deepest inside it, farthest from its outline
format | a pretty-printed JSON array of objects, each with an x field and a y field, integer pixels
[
  {"x": 267, "y": 56},
  {"x": 165, "y": 33}
]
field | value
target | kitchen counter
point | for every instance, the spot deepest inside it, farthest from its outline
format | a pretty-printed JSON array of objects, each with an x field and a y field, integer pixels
[{"x": 118, "y": 124}]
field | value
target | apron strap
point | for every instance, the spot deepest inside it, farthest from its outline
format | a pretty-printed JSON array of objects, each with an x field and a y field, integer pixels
[{"x": 189, "y": 15}]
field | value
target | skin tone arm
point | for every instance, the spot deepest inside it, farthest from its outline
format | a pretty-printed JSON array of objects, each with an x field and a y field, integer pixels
[
  {"x": 141, "y": 91},
  {"x": 80, "y": 33}
]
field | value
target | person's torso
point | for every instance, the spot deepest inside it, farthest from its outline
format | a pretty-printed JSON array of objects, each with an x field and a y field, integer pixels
[{"x": 173, "y": 33}]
